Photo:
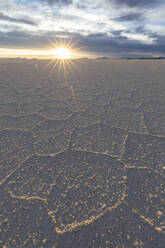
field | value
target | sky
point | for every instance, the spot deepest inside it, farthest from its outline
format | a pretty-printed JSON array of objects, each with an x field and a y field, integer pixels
[{"x": 113, "y": 28}]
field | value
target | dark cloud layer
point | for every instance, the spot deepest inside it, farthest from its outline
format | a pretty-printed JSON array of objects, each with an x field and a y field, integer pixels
[
  {"x": 16, "y": 20},
  {"x": 96, "y": 43},
  {"x": 137, "y": 3}
]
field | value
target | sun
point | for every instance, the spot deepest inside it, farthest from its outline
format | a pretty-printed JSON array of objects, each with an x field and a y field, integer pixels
[{"x": 62, "y": 53}]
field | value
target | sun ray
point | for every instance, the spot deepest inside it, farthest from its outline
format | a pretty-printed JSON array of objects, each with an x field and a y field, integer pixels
[{"x": 64, "y": 62}]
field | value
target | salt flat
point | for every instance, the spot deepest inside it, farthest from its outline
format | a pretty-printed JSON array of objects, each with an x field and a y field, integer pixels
[{"x": 82, "y": 153}]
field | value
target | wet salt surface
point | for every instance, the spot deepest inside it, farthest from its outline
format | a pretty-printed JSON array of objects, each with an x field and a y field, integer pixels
[{"x": 82, "y": 154}]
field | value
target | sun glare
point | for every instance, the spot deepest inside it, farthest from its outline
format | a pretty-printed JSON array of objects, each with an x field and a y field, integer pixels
[{"x": 62, "y": 53}]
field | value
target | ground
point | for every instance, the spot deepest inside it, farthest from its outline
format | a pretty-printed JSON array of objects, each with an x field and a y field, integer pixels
[{"x": 82, "y": 154}]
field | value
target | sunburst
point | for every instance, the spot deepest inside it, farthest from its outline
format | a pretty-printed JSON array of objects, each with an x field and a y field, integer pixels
[
  {"x": 64, "y": 62},
  {"x": 62, "y": 53}
]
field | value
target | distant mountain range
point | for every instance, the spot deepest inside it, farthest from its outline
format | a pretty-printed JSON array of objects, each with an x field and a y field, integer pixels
[
  {"x": 103, "y": 58},
  {"x": 148, "y": 58},
  {"x": 132, "y": 58}
]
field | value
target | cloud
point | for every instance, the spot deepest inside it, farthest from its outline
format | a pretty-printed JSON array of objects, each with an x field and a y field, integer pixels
[
  {"x": 130, "y": 17},
  {"x": 105, "y": 27},
  {"x": 116, "y": 45},
  {"x": 62, "y": 2},
  {"x": 21, "y": 39},
  {"x": 122, "y": 46},
  {"x": 137, "y": 3},
  {"x": 16, "y": 20}
]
